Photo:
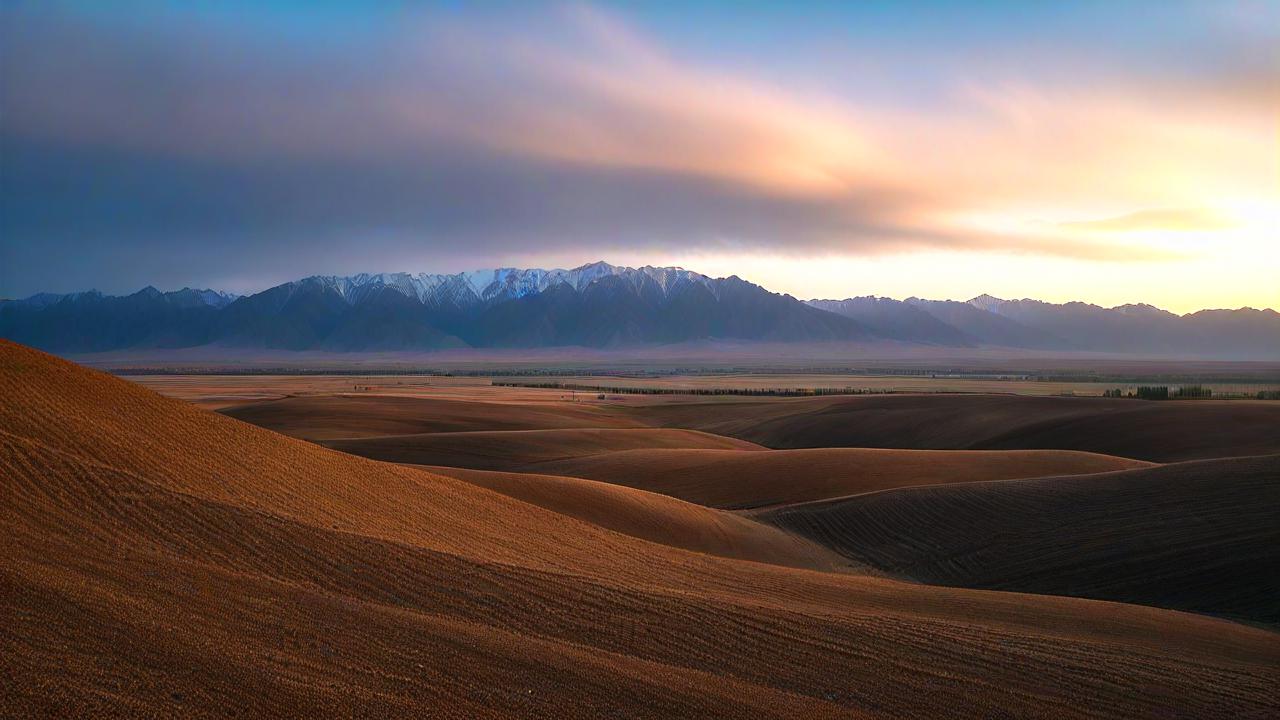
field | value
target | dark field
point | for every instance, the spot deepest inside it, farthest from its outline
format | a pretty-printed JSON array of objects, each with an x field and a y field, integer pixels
[{"x": 1197, "y": 536}]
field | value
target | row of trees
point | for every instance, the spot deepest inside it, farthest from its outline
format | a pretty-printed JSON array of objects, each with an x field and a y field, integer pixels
[{"x": 1162, "y": 392}]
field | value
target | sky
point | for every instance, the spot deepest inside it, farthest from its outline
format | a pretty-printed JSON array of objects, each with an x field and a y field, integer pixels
[{"x": 1109, "y": 152}]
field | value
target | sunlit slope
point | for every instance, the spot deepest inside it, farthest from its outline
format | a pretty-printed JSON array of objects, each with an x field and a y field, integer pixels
[
  {"x": 1200, "y": 536},
  {"x": 326, "y": 417},
  {"x": 658, "y": 518},
  {"x": 159, "y": 560},
  {"x": 745, "y": 479},
  {"x": 142, "y": 602},
  {"x": 1146, "y": 430},
  {"x": 521, "y": 449}
]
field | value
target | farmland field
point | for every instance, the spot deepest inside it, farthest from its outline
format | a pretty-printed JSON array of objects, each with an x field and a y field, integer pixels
[
  {"x": 389, "y": 544},
  {"x": 217, "y": 390}
]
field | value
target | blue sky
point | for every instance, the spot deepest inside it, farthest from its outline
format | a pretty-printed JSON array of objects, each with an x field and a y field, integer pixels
[{"x": 1110, "y": 152}]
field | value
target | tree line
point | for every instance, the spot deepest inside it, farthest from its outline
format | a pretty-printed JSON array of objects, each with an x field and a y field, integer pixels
[{"x": 1162, "y": 392}]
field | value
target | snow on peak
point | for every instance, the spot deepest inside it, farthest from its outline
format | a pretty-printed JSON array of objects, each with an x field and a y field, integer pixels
[
  {"x": 495, "y": 284},
  {"x": 987, "y": 302}
]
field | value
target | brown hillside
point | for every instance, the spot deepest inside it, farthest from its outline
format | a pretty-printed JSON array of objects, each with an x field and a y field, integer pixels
[
  {"x": 736, "y": 479},
  {"x": 1165, "y": 431},
  {"x": 657, "y": 518},
  {"x": 1157, "y": 431},
  {"x": 160, "y": 560},
  {"x": 1198, "y": 536},
  {"x": 519, "y": 449},
  {"x": 326, "y": 417}
]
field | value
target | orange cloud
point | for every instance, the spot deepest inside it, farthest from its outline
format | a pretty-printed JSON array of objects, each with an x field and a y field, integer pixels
[
  {"x": 617, "y": 100},
  {"x": 1180, "y": 219},
  {"x": 724, "y": 158}
]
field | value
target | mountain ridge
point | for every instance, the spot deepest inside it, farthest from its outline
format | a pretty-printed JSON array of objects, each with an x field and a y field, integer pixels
[
  {"x": 593, "y": 305},
  {"x": 1138, "y": 329},
  {"x": 604, "y": 306}
]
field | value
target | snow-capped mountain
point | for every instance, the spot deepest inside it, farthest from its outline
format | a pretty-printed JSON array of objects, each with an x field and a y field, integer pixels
[
  {"x": 602, "y": 305},
  {"x": 477, "y": 287},
  {"x": 598, "y": 305}
]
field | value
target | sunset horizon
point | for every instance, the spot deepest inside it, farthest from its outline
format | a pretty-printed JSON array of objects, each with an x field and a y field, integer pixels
[
  {"x": 741, "y": 360},
  {"x": 1094, "y": 153}
]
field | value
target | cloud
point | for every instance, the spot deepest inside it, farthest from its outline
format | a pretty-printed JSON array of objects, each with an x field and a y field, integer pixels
[
  {"x": 1176, "y": 219},
  {"x": 412, "y": 139}
]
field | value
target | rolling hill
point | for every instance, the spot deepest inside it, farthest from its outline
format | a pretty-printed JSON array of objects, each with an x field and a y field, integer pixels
[
  {"x": 737, "y": 479},
  {"x": 159, "y": 559},
  {"x": 327, "y": 417},
  {"x": 658, "y": 518},
  {"x": 525, "y": 449},
  {"x": 1198, "y": 536},
  {"x": 1167, "y": 431},
  {"x": 1155, "y": 431}
]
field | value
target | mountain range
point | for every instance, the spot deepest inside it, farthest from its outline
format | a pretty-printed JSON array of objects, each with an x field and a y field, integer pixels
[{"x": 605, "y": 306}]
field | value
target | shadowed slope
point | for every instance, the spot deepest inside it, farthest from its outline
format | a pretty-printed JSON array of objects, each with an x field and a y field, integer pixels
[
  {"x": 657, "y": 518},
  {"x": 156, "y": 559},
  {"x": 1199, "y": 536},
  {"x": 518, "y": 449},
  {"x": 738, "y": 479},
  {"x": 326, "y": 417},
  {"x": 1157, "y": 431}
]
